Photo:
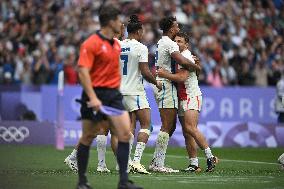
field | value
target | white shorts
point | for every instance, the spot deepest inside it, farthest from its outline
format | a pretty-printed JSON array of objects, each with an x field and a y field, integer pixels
[
  {"x": 192, "y": 103},
  {"x": 167, "y": 97},
  {"x": 135, "y": 102}
]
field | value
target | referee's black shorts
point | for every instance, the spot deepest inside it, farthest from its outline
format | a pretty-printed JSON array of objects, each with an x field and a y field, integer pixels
[{"x": 108, "y": 97}]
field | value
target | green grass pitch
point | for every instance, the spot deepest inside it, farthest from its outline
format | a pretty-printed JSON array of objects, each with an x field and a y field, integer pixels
[{"x": 34, "y": 167}]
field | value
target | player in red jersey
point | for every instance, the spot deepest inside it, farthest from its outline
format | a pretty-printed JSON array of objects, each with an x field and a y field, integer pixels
[{"x": 190, "y": 101}]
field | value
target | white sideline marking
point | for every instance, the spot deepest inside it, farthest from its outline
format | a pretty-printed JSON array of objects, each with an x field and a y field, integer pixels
[
  {"x": 225, "y": 160},
  {"x": 204, "y": 179}
]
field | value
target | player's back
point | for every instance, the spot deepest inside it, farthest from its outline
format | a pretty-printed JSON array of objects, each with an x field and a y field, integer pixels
[
  {"x": 132, "y": 52},
  {"x": 165, "y": 48}
]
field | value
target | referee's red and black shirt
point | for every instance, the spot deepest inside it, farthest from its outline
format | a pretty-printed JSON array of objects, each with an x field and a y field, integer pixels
[{"x": 101, "y": 56}]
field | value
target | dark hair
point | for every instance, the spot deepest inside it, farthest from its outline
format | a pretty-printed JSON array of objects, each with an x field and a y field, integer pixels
[
  {"x": 107, "y": 14},
  {"x": 183, "y": 35},
  {"x": 133, "y": 24},
  {"x": 166, "y": 23}
]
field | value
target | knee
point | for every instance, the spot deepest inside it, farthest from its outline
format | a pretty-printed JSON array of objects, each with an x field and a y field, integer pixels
[
  {"x": 124, "y": 136},
  {"x": 186, "y": 134},
  {"x": 103, "y": 131},
  {"x": 87, "y": 138},
  {"x": 168, "y": 128},
  {"x": 190, "y": 131}
]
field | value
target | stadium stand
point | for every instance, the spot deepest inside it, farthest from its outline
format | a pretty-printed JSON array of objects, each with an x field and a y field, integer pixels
[{"x": 239, "y": 42}]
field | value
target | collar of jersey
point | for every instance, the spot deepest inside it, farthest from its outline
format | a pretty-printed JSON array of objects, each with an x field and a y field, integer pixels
[{"x": 111, "y": 41}]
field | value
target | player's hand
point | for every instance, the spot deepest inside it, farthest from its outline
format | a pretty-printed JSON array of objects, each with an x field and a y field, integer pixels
[
  {"x": 94, "y": 103},
  {"x": 161, "y": 72},
  {"x": 197, "y": 62},
  {"x": 159, "y": 85}
]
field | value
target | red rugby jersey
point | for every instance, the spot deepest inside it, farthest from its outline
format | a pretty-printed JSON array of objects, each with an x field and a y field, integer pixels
[{"x": 102, "y": 57}]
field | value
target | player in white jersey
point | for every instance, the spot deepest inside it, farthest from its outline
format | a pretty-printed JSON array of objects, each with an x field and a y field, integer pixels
[
  {"x": 166, "y": 55},
  {"x": 134, "y": 67},
  {"x": 190, "y": 101}
]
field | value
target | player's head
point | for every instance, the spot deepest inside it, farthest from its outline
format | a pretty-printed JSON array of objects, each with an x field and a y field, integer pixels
[
  {"x": 182, "y": 39},
  {"x": 109, "y": 17},
  {"x": 135, "y": 27},
  {"x": 169, "y": 26}
]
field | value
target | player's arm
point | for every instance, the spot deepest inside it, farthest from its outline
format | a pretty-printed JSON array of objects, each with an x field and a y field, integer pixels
[
  {"x": 179, "y": 77},
  {"x": 185, "y": 63},
  {"x": 144, "y": 67},
  {"x": 85, "y": 62},
  {"x": 146, "y": 73}
]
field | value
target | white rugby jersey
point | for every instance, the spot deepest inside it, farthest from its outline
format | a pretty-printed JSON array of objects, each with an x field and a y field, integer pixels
[
  {"x": 190, "y": 87},
  {"x": 132, "y": 52},
  {"x": 163, "y": 59}
]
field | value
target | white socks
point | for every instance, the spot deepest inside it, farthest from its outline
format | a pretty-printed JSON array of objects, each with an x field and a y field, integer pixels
[
  {"x": 73, "y": 155},
  {"x": 138, "y": 152},
  {"x": 161, "y": 148},
  {"x": 101, "y": 148},
  {"x": 193, "y": 161},
  {"x": 208, "y": 153}
]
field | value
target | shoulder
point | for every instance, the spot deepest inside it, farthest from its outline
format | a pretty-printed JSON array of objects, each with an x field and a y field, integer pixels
[
  {"x": 124, "y": 42},
  {"x": 169, "y": 42},
  {"x": 142, "y": 46},
  {"x": 173, "y": 43},
  {"x": 117, "y": 40},
  {"x": 186, "y": 53},
  {"x": 91, "y": 41}
]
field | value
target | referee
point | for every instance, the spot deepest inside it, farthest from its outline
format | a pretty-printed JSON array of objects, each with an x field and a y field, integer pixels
[{"x": 99, "y": 74}]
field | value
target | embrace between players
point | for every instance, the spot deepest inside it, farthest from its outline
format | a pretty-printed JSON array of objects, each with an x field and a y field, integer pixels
[{"x": 176, "y": 92}]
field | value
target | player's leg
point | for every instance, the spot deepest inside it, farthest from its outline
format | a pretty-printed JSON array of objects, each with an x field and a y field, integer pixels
[
  {"x": 167, "y": 103},
  {"x": 89, "y": 130},
  {"x": 144, "y": 118},
  {"x": 101, "y": 146},
  {"x": 191, "y": 149},
  {"x": 168, "y": 118},
  {"x": 130, "y": 104},
  {"x": 71, "y": 159},
  {"x": 121, "y": 125},
  {"x": 113, "y": 140},
  {"x": 190, "y": 128},
  {"x": 131, "y": 140},
  {"x": 173, "y": 128},
  {"x": 101, "y": 132}
]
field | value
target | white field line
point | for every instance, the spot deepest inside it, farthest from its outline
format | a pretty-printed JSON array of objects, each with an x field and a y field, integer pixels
[
  {"x": 224, "y": 160},
  {"x": 212, "y": 179}
]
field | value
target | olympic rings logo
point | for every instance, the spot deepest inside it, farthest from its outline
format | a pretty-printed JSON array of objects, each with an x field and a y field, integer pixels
[{"x": 14, "y": 134}]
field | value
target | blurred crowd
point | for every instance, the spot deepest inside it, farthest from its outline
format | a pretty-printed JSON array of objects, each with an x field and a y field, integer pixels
[{"x": 238, "y": 42}]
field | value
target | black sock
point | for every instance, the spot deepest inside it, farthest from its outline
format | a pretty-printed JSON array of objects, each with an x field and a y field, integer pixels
[
  {"x": 82, "y": 160},
  {"x": 122, "y": 159}
]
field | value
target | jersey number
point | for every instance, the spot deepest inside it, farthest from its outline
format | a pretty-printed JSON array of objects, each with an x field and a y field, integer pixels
[
  {"x": 156, "y": 57},
  {"x": 124, "y": 59}
]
